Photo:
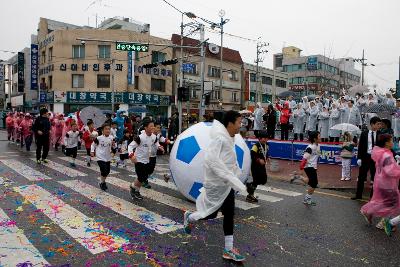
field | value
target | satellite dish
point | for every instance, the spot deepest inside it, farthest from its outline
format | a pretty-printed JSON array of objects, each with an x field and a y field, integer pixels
[{"x": 213, "y": 48}]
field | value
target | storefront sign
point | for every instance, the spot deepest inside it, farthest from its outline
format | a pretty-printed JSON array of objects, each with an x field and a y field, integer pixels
[
  {"x": 46, "y": 97},
  {"x": 247, "y": 86},
  {"x": 60, "y": 97},
  {"x": 46, "y": 70},
  {"x": 131, "y": 47},
  {"x": 303, "y": 87},
  {"x": 34, "y": 66},
  {"x": 46, "y": 41},
  {"x": 312, "y": 63},
  {"x": 17, "y": 101},
  {"x": 21, "y": 70},
  {"x": 153, "y": 71},
  {"x": 131, "y": 64},
  {"x": 87, "y": 67},
  {"x": 120, "y": 97}
]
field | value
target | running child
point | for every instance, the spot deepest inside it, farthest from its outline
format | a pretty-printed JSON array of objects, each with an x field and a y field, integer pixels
[
  {"x": 259, "y": 158},
  {"x": 101, "y": 148},
  {"x": 71, "y": 143},
  {"x": 113, "y": 133},
  {"x": 123, "y": 148},
  {"x": 139, "y": 152},
  {"x": 310, "y": 165},
  {"x": 88, "y": 136}
]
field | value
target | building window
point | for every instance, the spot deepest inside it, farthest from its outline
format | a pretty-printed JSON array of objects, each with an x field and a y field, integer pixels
[
  {"x": 78, "y": 51},
  {"x": 253, "y": 77},
  {"x": 77, "y": 80},
  {"x": 50, "y": 54},
  {"x": 104, "y": 51},
  {"x": 217, "y": 94},
  {"x": 234, "y": 97},
  {"x": 43, "y": 57},
  {"x": 15, "y": 68},
  {"x": 233, "y": 75},
  {"x": 194, "y": 94},
  {"x": 137, "y": 82},
  {"x": 214, "y": 72},
  {"x": 50, "y": 82},
  {"x": 266, "y": 80},
  {"x": 158, "y": 85},
  {"x": 157, "y": 56},
  {"x": 103, "y": 81},
  {"x": 280, "y": 83}
]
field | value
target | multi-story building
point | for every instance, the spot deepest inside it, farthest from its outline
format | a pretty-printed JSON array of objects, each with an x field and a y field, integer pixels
[
  {"x": 270, "y": 83},
  {"x": 76, "y": 67},
  {"x": 316, "y": 74},
  {"x": 226, "y": 98},
  {"x": 17, "y": 82}
]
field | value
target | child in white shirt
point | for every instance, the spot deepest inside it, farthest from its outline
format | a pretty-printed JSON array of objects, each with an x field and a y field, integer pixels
[{"x": 71, "y": 140}]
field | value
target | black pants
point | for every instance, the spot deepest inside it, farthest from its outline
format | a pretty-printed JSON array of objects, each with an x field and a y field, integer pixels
[
  {"x": 297, "y": 135},
  {"x": 28, "y": 142},
  {"x": 334, "y": 139},
  {"x": 271, "y": 132},
  {"x": 105, "y": 167},
  {"x": 152, "y": 164},
  {"x": 367, "y": 164},
  {"x": 71, "y": 152},
  {"x": 228, "y": 210},
  {"x": 43, "y": 141},
  {"x": 284, "y": 131}
]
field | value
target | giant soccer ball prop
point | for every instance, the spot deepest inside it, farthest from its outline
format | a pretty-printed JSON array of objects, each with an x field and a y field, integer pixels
[{"x": 187, "y": 159}]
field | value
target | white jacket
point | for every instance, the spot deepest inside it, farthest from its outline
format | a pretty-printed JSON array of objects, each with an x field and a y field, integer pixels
[
  {"x": 221, "y": 172},
  {"x": 258, "y": 119}
]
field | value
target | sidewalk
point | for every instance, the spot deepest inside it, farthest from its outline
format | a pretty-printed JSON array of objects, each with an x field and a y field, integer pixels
[{"x": 328, "y": 175}]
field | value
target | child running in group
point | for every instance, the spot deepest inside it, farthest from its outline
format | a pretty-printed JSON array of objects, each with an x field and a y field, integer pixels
[
  {"x": 259, "y": 158},
  {"x": 101, "y": 148},
  {"x": 72, "y": 138},
  {"x": 385, "y": 201},
  {"x": 139, "y": 152},
  {"x": 123, "y": 148},
  {"x": 88, "y": 136},
  {"x": 113, "y": 133},
  {"x": 347, "y": 154},
  {"x": 310, "y": 165}
]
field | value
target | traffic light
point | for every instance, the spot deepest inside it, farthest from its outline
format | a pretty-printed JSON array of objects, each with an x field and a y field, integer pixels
[
  {"x": 207, "y": 98},
  {"x": 183, "y": 94},
  {"x": 169, "y": 62}
]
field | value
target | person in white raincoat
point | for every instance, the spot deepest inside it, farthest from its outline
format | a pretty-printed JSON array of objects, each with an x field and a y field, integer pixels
[
  {"x": 298, "y": 122},
  {"x": 258, "y": 118},
  {"x": 396, "y": 121},
  {"x": 312, "y": 116},
  {"x": 323, "y": 125},
  {"x": 334, "y": 118},
  {"x": 351, "y": 114},
  {"x": 221, "y": 181}
]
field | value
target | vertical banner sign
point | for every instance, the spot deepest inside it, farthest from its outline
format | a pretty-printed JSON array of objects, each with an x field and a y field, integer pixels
[
  {"x": 34, "y": 66},
  {"x": 247, "y": 86},
  {"x": 21, "y": 68},
  {"x": 1, "y": 73},
  {"x": 131, "y": 66}
]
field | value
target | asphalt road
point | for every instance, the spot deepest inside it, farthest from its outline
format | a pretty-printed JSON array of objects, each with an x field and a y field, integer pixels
[{"x": 52, "y": 214}]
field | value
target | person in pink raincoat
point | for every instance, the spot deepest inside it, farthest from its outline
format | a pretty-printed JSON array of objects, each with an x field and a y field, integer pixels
[
  {"x": 10, "y": 126},
  {"x": 385, "y": 201},
  {"x": 58, "y": 126},
  {"x": 27, "y": 133},
  {"x": 17, "y": 131}
]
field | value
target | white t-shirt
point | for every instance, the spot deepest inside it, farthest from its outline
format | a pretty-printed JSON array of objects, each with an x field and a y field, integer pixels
[
  {"x": 312, "y": 154},
  {"x": 103, "y": 148},
  {"x": 113, "y": 132},
  {"x": 144, "y": 148},
  {"x": 72, "y": 140}
]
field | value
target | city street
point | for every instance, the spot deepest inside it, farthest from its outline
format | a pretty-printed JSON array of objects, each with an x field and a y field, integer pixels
[{"x": 56, "y": 215}]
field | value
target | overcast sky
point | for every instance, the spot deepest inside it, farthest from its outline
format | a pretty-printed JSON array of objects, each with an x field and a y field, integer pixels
[{"x": 337, "y": 28}]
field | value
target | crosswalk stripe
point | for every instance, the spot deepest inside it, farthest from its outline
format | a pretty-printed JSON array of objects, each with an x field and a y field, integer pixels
[
  {"x": 63, "y": 169},
  {"x": 279, "y": 191},
  {"x": 82, "y": 163},
  {"x": 24, "y": 170},
  {"x": 15, "y": 248},
  {"x": 238, "y": 203},
  {"x": 85, "y": 230},
  {"x": 149, "y": 219}
]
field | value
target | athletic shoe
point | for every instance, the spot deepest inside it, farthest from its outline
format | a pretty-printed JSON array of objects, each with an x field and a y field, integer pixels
[
  {"x": 251, "y": 199},
  {"x": 186, "y": 223},
  {"x": 88, "y": 164},
  {"x": 233, "y": 254},
  {"x": 309, "y": 202},
  {"x": 145, "y": 184},
  {"x": 347, "y": 179},
  {"x": 294, "y": 178},
  {"x": 152, "y": 176},
  {"x": 368, "y": 218},
  {"x": 38, "y": 161},
  {"x": 103, "y": 186},
  {"x": 342, "y": 179},
  {"x": 45, "y": 161},
  {"x": 72, "y": 164},
  {"x": 388, "y": 227},
  {"x": 380, "y": 225},
  {"x": 166, "y": 177},
  {"x": 135, "y": 194}
]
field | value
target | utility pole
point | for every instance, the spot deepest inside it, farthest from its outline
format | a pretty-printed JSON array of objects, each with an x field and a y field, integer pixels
[
  {"x": 202, "y": 72},
  {"x": 363, "y": 61},
  {"x": 260, "y": 51},
  {"x": 221, "y": 53},
  {"x": 180, "y": 80}
]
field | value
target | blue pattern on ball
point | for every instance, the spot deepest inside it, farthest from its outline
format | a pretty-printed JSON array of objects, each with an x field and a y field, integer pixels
[
  {"x": 187, "y": 149},
  {"x": 195, "y": 190}
]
